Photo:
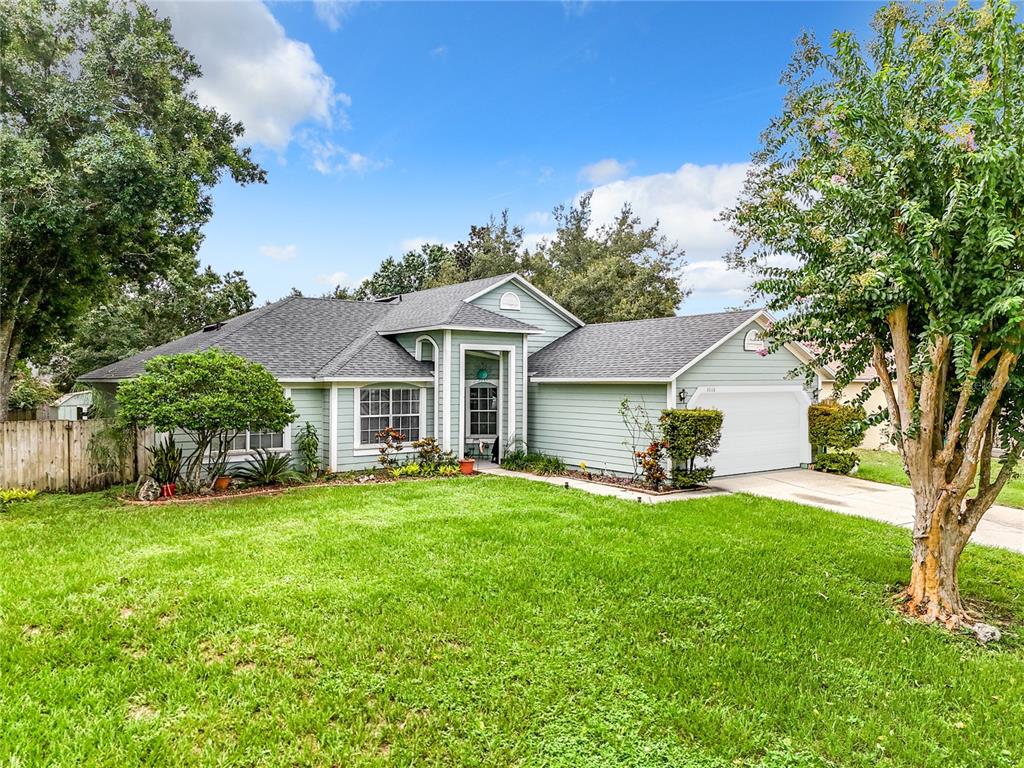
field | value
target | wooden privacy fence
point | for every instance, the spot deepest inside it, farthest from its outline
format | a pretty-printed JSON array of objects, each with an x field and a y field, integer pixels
[{"x": 56, "y": 456}]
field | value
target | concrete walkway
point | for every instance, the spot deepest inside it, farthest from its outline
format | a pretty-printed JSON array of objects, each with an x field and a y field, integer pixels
[
  {"x": 1001, "y": 526},
  {"x": 600, "y": 489}
]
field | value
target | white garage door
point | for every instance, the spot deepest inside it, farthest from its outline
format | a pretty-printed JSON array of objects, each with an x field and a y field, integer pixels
[{"x": 762, "y": 427}]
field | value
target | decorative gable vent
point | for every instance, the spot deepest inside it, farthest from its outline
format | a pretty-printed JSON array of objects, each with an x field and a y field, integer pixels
[
  {"x": 509, "y": 300},
  {"x": 753, "y": 342}
]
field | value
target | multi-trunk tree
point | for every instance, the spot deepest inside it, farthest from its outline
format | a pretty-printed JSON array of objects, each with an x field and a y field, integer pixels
[
  {"x": 884, "y": 220},
  {"x": 106, "y": 163}
]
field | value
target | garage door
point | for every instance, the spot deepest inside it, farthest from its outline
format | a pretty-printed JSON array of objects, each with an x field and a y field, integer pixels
[{"x": 762, "y": 428}]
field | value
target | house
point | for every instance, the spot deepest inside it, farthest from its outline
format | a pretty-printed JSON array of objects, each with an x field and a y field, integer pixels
[
  {"x": 496, "y": 359},
  {"x": 876, "y": 437},
  {"x": 72, "y": 406}
]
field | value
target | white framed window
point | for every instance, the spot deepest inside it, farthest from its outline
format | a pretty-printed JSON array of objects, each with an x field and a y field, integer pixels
[
  {"x": 482, "y": 409},
  {"x": 509, "y": 300},
  {"x": 752, "y": 341},
  {"x": 246, "y": 442},
  {"x": 380, "y": 408}
]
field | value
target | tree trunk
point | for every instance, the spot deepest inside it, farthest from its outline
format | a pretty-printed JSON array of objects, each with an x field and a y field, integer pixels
[
  {"x": 10, "y": 347},
  {"x": 933, "y": 594}
]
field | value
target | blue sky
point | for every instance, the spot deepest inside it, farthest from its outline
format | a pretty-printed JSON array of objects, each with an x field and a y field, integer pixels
[{"x": 383, "y": 125}]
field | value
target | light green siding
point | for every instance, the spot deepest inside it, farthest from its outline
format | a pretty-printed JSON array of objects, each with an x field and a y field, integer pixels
[
  {"x": 459, "y": 338},
  {"x": 531, "y": 311},
  {"x": 731, "y": 365},
  {"x": 349, "y": 456},
  {"x": 581, "y": 422}
]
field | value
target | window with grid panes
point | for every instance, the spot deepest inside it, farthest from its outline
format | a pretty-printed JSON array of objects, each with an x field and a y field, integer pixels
[
  {"x": 483, "y": 410},
  {"x": 383, "y": 408}
]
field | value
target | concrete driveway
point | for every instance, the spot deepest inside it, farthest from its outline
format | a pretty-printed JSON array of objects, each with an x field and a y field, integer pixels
[{"x": 1001, "y": 526}]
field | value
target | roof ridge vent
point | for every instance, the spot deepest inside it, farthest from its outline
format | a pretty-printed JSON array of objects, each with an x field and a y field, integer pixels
[{"x": 213, "y": 327}]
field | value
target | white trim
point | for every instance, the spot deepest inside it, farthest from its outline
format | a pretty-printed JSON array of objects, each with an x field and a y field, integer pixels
[
  {"x": 485, "y": 347},
  {"x": 497, "y": 389},
  {"x": 597, "y": 380},
  {"x": 526, "y": 387},
  {"x": 353, "y": 379},
  {"x": 530, "y": 288},
  {"x": 419, "y": 356},
  {"x": 671, "y": 399},
  {"x": 332, "y": 430},
  {"x": 445, "y": 327},
  {"x": 446, "y": 373},
  {"x": 515, "y": 304},
  {"x": 356, "y": 429}
]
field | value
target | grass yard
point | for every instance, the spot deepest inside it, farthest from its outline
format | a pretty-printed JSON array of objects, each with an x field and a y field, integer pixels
[
  {"x": 486, "y": 621},
  {"x": 887, "y": 467}
]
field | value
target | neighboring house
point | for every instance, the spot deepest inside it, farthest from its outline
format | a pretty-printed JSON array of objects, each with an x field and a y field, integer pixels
[
  {"x": 497, "y": 359},
  {"x": 74, "y": 406},
  {"x": 876, "y": 437}
]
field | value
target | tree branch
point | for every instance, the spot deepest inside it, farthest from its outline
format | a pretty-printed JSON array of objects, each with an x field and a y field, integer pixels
[
  {"x": 882, "y": 371},
  {"x": 904, "y": 391},
  {"x": 953, "y": 430}
]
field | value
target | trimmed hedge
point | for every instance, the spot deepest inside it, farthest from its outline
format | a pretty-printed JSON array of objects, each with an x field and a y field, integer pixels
[
  {"x": 838, "y": 427},
  {"x": 691, "y": 434}
]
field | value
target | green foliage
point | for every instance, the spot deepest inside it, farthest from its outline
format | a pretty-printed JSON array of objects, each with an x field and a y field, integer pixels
[
  {"x": 652, "y": 463},
  {"x": 149, "y": 313},
  {"x": 617, "y": 271},
  {"x": 431, "y": 457},
  {"x": 29, "y": 391},
  {"x": 640, "y": 429},
  {"x": 108, "y": 162},
  {"x": 412, "y": 469},
  {"x": 834, "y": 425},
  {"x": 165, "y": 460},
  {"x": 308, "y": 444},
  {"x": 111, "y": 446},
  {"x": 691, "y": 434},
  {"x": 211, "y": 396},
  {"x": 267, "y": 468},
  {"x": 538, "y": 463},
  {"x": 9, "y": 496},
  {"x": 840, "y": 463},
  {"x": 391, "y": 442}
]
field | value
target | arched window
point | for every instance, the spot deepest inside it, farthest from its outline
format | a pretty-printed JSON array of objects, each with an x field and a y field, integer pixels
[
  {"x": 426, "y": 349},
  {"x": 509, "y": 300},
  {"x": 753, "y": 342},
  {"x": 482, "y": 409}
]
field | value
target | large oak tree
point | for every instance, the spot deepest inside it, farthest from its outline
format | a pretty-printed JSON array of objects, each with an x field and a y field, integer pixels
[
  {"x": 884, "y": 220},
  {"x": 106, "y": 162}
]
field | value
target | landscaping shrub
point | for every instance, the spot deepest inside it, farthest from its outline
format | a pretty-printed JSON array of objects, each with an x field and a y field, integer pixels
[
  {"x": 9, "y": 496},
  {"x": 691, "y": 434},
  {"x": 432, "y": 458},
  {"x": 841, "y": 463},
  {"x": 391, "y": 442},
  {"x": 538, "y": 463},
  {"x": 652, "y": 463},
  {"x": 834, "y": 426},
  {"x": 165, "y": 461},
  {"x": 267, "y": 468},
  {"x": 308, "y": 444}
]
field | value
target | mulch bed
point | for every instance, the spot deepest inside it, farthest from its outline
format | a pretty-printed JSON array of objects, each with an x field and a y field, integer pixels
[
  {"x": 241, "y": 493},
  {"x": 627, "y": 484}
]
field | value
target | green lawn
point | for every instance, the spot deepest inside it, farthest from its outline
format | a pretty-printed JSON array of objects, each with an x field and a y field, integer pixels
[
  {"x": 887, "y": 467},
  {"x": 486, "y": 621}
]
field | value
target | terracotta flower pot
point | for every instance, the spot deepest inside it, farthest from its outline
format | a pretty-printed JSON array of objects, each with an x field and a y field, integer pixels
[
  {"x": 221, "y": 483},
  {"x": 167, "y": 490},
  {"x": 466, "y": 466}
]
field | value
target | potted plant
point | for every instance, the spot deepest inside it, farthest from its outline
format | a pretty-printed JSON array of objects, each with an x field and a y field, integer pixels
[
  {"x": 466, "y": 465},
  {"x": 165, "y": 465}
]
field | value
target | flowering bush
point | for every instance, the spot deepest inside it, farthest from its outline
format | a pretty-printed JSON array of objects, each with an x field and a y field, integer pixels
[{"x": 652, "y": 463}]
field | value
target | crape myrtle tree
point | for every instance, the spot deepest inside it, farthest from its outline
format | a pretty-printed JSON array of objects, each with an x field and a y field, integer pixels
[
  {"x": 884, "y": 220},
  {"x": 106, "y": 163},
  {"x": 212, "y": 396}
]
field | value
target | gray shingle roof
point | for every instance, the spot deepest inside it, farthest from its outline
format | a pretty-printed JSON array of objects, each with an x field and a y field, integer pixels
[
  {"x": 309, "y": 338},
  {"x": 447, "y": 306},
  {"x": 636, "y": 348}
]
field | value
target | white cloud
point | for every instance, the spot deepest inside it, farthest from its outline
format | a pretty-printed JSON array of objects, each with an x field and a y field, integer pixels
[
  {"x": 532, "y": 239},
  {"x": 335, "y": 279},
  {"x": 604, "y": 171},
  {"x": 537, "y": 219},
  {"x": 328, "y": 157},
  {"x": 333, "y": 12},
  {"x": 687, "y": 202},
  {"x": 253, "y": 71},
  {"x": 280, "y": 252},
  {"x": 439, "y": 51}
]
